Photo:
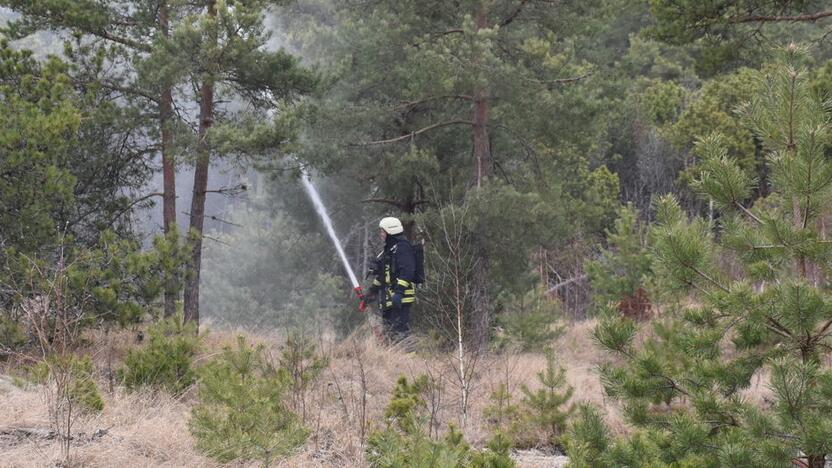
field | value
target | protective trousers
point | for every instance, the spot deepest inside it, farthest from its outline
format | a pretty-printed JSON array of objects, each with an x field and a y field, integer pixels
[{"x": 397, "y": 322}]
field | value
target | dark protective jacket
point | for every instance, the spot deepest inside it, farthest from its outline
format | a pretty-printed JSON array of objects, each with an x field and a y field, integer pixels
[{"x": 394, "y": 271}]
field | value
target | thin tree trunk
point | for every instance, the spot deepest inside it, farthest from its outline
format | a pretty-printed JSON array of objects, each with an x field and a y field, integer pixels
[
  {"x": 206, "y": 120},
  {"x": 463, "y": 381},
  {"x": 168, "y": 164},
  {"x": 482, "y": 144}
]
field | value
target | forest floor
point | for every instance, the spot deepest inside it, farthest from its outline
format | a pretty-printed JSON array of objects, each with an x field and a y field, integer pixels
[{"x": 151, "y": 428}]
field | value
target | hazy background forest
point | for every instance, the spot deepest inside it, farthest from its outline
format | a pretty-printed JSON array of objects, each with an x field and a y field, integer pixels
[{"x": 623, "y": 203}]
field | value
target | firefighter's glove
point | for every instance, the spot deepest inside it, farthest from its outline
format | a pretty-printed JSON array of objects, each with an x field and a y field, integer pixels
[{"x": 397, "y": 299}]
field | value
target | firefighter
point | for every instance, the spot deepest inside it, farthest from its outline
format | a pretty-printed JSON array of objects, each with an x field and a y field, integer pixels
[{"x": 393, "y": 279}]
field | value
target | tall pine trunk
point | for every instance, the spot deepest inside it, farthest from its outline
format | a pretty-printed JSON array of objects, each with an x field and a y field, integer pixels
[
  {"x": 206, "y": 120},
  {"x": 483, "y": 167},
  {"x": 482, "y": 144},
  {"x": 168, "y": 164}
]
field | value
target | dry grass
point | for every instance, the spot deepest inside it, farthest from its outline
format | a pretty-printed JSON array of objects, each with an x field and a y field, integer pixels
[
  {"x": 143, "y": 429},
  {"x": 150, "y": 429}
]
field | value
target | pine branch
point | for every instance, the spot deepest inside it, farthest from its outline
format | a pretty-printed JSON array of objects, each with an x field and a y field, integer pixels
[
  {"x": 416, "y": 132},
  {"x": 559, "y": 81},
  {"x": 513, "y": 15},
  {"x": 705, "y": 276},
  {"x": 394, "y": 202},
  {"x": 747, "y": 212},
  {"x": 823, "y": 330},
  {"x": 448, "y": 32},
  {"x": 129, "y": 90},
  {"x": 812, "y": 17},
  {"x": 122, "y": 40},
  {"x": 408, "y": 104},
  {"x": 673, "y": 385},
  {"x": 132, "y": 204},
  {"x": 229, "y": 191},
  {"x": 783, "y": 331}
]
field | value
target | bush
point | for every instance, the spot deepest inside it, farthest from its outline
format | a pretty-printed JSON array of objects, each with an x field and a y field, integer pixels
[
  {"x": 403, "y": 442},
  {"x": 241, "y": 413},
  {"x": 73, "y": 381},
  {"x": 303, "y": 366},
  {"x": 166, "y": 360},
  {"x": 502, "y": 415},
  {"x": 12, "y": 336}
]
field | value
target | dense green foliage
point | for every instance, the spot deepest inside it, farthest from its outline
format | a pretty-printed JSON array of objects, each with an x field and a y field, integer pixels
[
  {"x": 12, "y": 335},
  {"x": 241, "y": 412},
  {"x": 685, "y": 383},
  {"x": 39, "y": 125}
]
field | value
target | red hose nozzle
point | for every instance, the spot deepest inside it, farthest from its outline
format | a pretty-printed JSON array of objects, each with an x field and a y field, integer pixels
[{"x": 360, "y": 293}]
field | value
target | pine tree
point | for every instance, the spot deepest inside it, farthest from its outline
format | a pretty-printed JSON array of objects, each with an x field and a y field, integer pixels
[
  {"x": 546, "y": 405},
  {"x": 762, "y": 302},
  {"x": 222, "y": 45},
  {"x": 619, "y": 275},
  {"x": 38, "y": 127}
]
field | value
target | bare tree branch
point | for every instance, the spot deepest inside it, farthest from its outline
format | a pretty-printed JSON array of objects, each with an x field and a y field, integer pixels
[
  {"x": 566, "y": 283},
  {"x": 134, "y": 203}
]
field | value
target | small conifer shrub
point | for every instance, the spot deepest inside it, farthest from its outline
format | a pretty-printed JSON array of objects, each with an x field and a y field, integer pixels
[
  {"x": 545, "y": 406},
  {"x": 242, "y": 412},
  {"x": 166, "y": 360},
  {"x": 403, "y": 441}
]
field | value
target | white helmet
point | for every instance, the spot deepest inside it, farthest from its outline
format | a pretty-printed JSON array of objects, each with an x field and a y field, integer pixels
[{"x": 391, "y": 225}]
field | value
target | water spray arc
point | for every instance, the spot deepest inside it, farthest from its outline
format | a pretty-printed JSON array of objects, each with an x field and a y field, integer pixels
[{"x": 321, "y": 209}]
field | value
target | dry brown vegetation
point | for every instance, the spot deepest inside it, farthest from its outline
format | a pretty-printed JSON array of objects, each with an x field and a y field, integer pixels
[{"x": 150, "y": 428}]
